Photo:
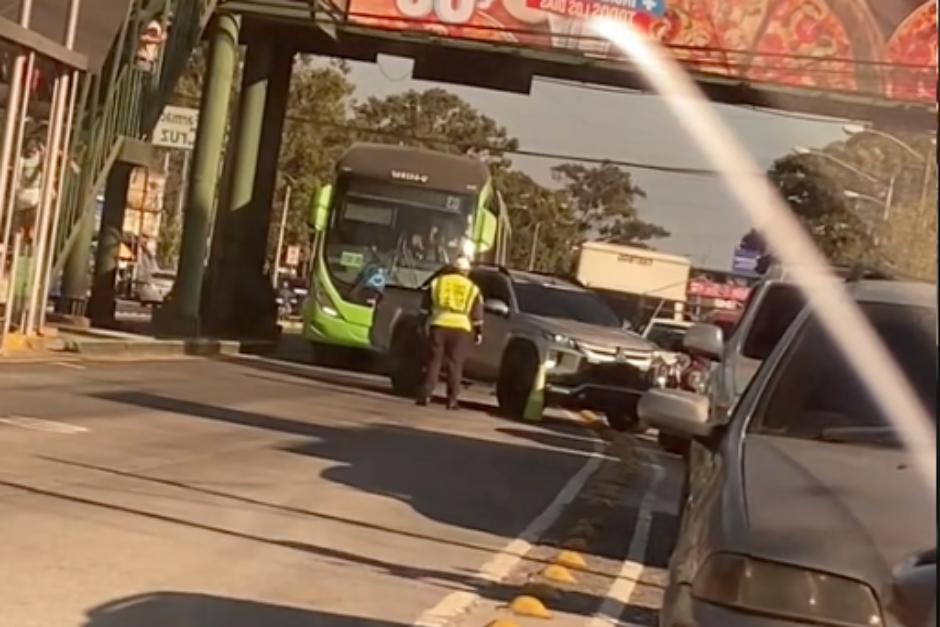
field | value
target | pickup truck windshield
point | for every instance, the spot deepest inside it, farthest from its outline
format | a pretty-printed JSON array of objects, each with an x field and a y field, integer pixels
[{"x": 565, "y": 303}]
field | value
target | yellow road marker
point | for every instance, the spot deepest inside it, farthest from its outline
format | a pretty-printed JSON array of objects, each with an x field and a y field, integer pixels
[
  {"x": 529, "y": 606},
  {"x": 559, "y": 574},
  {"x": 502, "y": 622},
  {"x": 570, "y": 559}
]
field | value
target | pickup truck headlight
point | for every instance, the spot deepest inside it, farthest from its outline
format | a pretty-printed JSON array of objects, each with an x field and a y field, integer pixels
[
  {"x": 559, "y": 339},
  {"x": 785, "y": 591}
]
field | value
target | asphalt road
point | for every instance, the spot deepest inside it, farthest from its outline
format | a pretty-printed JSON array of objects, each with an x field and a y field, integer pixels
[{"x": 233, "y": 493}]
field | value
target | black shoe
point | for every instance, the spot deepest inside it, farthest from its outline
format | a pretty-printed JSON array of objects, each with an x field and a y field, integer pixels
[{"x": 421, "y": 402}]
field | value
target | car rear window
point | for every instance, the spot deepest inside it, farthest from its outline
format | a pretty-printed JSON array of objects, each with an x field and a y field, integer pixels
[
  {"x": 776, "y": 312},
  {"x": 816, "y": 389}
]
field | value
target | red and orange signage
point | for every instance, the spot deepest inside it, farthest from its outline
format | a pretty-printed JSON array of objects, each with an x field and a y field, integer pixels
[{"x": 879, "y": 48}]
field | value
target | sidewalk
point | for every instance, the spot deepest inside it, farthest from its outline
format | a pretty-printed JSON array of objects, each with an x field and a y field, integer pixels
[{"x": 67, "y": 342}]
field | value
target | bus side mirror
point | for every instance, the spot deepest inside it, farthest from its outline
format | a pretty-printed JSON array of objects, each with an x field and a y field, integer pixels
[
  {"x": 320, "y": 211},
  {"x": 486, "y": 237}
]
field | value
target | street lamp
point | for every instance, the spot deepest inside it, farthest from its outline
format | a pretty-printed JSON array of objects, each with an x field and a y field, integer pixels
[
  {"x": 885, "y": 202},
  {"x": 803, "y": 150},
  {"x": 857, "y": 129}
]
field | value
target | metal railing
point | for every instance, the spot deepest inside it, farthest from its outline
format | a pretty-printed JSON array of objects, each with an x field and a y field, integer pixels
[{"x": 125, "y": 101}]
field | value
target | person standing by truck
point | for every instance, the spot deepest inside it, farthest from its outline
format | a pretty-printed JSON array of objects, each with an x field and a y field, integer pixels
[{"x": 455, "y": 318}]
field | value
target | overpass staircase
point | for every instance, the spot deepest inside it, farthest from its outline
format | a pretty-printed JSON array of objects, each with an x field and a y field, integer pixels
[{"x": 119, "y": 105}]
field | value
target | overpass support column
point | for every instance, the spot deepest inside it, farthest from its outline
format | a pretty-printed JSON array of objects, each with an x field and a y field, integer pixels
[
  {"x": 180, "y": 316},
  {"x": 242, "y": 302},
  {"x": 108, "y": 253}
]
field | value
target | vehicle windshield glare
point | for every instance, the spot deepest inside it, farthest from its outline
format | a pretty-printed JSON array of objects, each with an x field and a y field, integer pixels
[
  {"x": 817, "y": 395},
  {"x": 566, "y": 303},
  {"x": 404, "y": 233}
]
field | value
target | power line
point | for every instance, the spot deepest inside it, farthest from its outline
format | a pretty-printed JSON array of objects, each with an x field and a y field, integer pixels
[{"x": 521, "y": 152}]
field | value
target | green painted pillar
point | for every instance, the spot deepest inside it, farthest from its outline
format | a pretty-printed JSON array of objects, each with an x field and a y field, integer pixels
[
  {"x": 180, "y": 316},
  {"x": 241, "y": 302},
  {"x": 76, "y": 269},
  {"x": 110, "y": 236}
]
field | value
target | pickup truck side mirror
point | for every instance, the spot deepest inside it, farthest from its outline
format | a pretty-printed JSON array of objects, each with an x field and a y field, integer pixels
[
  {"x": 704, "y": 340},
  {"x": 496, "y": 306}
]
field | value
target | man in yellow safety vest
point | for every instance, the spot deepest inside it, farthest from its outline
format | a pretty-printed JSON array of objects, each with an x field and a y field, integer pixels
[{"x": 455, "y": 319}]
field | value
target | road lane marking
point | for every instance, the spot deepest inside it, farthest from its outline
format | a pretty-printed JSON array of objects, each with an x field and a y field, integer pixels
[
  {"x": 502, "y": 563},
  {"x": 620, "y": 591},
  {"x": 41, "y": 424}
]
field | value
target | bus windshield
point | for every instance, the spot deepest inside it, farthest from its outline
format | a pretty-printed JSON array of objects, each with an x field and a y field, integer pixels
[{"x": 400, "y": 233}]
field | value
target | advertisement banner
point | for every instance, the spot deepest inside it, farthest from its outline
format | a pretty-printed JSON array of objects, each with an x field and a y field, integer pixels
[
  {"x": 704, "y": 289},
  {"x": 876, "y": 48}
]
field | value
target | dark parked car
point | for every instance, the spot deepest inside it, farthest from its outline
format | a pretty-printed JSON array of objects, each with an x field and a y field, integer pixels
[{"x": 800, "y": 505}]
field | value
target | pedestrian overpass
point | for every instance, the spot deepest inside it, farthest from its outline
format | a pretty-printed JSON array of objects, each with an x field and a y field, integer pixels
[{"x": 498, "y": 44}]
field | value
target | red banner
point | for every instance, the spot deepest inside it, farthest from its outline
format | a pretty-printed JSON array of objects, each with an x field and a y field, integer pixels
[
  {"x": 879, "y": 48},
  {"x": 723, "y": 291}
]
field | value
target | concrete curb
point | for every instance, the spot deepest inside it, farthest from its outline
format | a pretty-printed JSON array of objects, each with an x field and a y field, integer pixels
[{"x": 142, "y": 348}]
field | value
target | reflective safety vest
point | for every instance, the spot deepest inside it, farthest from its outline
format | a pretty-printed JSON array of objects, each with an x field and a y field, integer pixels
[{"x": 452, "y": 298}]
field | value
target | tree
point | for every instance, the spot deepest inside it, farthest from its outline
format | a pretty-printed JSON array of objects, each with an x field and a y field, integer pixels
[
  {"x": 316, "y": 133},
  {"x": 435, "y": 119},
  {"x": 867, "y": 228},
  {"x": 530, "y": 204},
  {"x": 602, "y": 201}
]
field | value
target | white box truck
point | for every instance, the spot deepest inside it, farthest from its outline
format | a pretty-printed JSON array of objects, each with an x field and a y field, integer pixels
[{"x": 636, "y": 281}]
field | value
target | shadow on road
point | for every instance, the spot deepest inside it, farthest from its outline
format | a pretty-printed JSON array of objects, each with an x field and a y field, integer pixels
[
  {"x": 153, "y": 610},
  {"x": 496, "y": 487},
  {"x": 176, "y": 609}
]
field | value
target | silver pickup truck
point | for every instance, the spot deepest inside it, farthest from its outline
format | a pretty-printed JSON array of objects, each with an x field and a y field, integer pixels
[{"x": 532, "y": 321}]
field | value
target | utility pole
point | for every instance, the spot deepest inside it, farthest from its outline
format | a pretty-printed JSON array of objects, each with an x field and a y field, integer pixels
[{"x": 280, "y": 237}]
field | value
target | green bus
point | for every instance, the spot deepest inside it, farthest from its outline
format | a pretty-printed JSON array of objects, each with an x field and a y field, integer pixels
[{"x": 391, "y": 218}]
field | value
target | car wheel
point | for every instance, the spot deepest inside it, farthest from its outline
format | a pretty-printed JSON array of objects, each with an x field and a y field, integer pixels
[
  {"x": 517, "y": 374},
  {"x": 405, "y": 367}
]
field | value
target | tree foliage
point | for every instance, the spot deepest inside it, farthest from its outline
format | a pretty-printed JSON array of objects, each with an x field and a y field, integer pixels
[
  {"x": 435, "y": 119},
  {"x": 889, "y": 220}
]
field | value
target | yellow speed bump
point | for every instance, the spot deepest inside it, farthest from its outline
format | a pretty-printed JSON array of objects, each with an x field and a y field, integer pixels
[
  {"x": 502, "y": 622},
  {"x": 558, "y": 574},
  {"x": 570, "y": 559},
  {"x": 526, "y": 605}
]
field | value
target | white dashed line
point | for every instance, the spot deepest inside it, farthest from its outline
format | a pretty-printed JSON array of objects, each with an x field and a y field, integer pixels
[
  {"x": 503, "y": 562},
  {"x": 41, "y": 424},
  {"x": 619, "y": 593}
]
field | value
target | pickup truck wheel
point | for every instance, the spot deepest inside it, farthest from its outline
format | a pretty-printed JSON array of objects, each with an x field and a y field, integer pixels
[
  {"x": 405, "y": 367},
  {"x": 517, "y": 374}
]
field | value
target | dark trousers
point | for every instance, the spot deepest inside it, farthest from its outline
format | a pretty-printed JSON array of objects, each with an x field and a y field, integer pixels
[{"x": 447, "y": 347}]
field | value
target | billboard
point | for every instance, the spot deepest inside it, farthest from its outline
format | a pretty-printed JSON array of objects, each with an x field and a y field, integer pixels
[{"x": 883, "y": 49}]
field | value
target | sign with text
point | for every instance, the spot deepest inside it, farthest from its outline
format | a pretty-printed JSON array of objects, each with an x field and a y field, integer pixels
[
  {"x": 176, "y": 128},
  {"x": 744, "y": 262},
  {"x": 871, "y": 48}
]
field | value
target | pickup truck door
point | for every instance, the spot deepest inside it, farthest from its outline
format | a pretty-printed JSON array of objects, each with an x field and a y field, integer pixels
[{"x": 483, "y": 361}]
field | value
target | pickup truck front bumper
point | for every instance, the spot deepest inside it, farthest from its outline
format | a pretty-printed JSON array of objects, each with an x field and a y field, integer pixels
[{"x": 607, "y": 387}]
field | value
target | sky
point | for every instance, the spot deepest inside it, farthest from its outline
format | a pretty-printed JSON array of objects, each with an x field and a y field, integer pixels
[{"x": 704, "y": 221}]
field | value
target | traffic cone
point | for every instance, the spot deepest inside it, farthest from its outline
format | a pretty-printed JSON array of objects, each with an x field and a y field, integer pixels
[{"x": 535, "y": 404}]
